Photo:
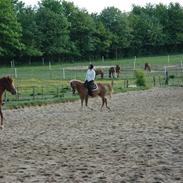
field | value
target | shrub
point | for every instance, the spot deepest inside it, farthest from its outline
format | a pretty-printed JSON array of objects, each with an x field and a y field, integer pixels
[{"x": 140, "y": 78}]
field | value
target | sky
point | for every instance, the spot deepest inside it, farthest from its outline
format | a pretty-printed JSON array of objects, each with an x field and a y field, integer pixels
[{"x": 96, "y": 6}]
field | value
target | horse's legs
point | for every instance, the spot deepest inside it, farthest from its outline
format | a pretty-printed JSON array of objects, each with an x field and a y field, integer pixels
[
  {"x": 82, "y": 99},
  {"x": 86, "y": 100},
  {"x": 104, "y": 101},
  {"x": 1, "y": 114}
]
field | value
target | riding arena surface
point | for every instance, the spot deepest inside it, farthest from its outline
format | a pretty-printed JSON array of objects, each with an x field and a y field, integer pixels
[{"x": 139, "y": 140}]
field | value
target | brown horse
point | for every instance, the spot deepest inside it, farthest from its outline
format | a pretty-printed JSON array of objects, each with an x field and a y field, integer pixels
[
  {"x": 77, "y": 85},
  {"x": 100, "y": 72},
  {"x": 6, "y": 83},
  {"x": 147, "y": 67},
  {"x": 114, "y": 70}
]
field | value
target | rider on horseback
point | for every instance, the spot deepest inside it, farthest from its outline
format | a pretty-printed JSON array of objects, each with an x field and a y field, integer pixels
[{"x": 89, "y": 80}]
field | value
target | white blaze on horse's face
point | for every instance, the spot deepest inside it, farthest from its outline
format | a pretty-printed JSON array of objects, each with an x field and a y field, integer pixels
[{"x": 14, "y": 91}]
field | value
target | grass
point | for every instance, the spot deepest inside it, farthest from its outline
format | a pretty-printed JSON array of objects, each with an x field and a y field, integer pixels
[{"x": 38, "y": 84}]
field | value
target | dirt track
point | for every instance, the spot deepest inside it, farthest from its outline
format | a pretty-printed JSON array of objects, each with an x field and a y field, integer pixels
[{"x": 140, "y": 140}]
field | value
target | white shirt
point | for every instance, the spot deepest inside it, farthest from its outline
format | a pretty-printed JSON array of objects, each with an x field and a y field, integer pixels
[{"x": 90, "y": 75}]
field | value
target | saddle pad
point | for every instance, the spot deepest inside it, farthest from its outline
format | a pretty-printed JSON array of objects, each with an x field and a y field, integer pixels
[{"x": 94, "y": 87}]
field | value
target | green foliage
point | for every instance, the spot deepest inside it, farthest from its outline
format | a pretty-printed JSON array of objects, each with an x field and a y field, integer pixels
[
  {"x": 53, "y": 27},
  {"x": 10, "y": 30},
  {"x": 140, "y": 78},
  {"x": 58, "y": 30}
]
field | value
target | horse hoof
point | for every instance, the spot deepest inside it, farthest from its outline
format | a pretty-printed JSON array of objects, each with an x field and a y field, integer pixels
[{"x": 1, "y": 127}]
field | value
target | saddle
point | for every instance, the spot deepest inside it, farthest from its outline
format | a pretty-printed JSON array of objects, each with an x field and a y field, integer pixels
[{"x": 91, "y": 87}]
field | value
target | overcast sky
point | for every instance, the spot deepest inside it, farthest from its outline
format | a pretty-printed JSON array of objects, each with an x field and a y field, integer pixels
[{"x": 98, "y": 5}]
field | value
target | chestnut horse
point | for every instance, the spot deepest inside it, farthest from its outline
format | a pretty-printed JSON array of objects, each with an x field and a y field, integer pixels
[
  {"x": 100, "y": 72},
  {"x": 147, "y": 67},
  {"x": 77, "y": 85},
  {"x": 114, "y": 70},
  {"x": 6, "y": 83}
]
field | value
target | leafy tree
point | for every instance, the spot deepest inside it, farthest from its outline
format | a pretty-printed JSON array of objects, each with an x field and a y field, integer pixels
[
  {"x": 10, "y": 30},
  {"x": 175, "y": 25},
  {"x": 117, "y": 25},
  {"x": 82, "y": 29},
  {"x": 30, "y": 33},
  {"x": 102, "y": 38},
  {"x": 53, "y": 27},
  {"x": 147, "y": 30}
]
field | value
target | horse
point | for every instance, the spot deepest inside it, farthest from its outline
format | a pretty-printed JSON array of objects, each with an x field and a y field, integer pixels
[
  {"x": 77, "y": 85},
  {"x": 6, "y": 83},
  {"x": 100, "y": 72},
  {"x": 147, "y": 67},
  {"x": 113, "y": 70}
]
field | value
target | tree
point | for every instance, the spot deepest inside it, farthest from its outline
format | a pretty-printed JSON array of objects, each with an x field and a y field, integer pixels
[
  {"x": 53, "y": 27},
  {"x": 116, "y": 23},
  {"x": 175, "y": 25},
  {"x": 10, "y": 30},
  {"x": 147, "y": 30},
  {"x": 82, "y": 29},
  {"x": 30, "y": 33}
]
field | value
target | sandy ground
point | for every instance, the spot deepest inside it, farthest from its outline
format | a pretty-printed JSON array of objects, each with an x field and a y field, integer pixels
[{"x": 140, "y": 140}]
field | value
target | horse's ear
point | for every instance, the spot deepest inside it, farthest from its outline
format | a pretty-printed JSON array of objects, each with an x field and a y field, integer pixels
[{"x": 9, "y": 78}]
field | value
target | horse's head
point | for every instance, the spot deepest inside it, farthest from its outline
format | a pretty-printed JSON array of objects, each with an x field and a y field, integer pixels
[
  {"x": 8, "y": 85},
  {"x": 76, "y": 85},
  {"x": 73, "y": 87}
]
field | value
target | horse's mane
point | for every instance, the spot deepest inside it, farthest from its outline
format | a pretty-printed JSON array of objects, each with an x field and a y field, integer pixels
[
  {"x": 77, "y": 80},
  {"x": 6, "y": 78}
]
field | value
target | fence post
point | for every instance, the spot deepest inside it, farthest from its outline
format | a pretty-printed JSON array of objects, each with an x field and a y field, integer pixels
[
  {"x": 42, "y": 92},
  {"x": 134, "y": 63},
  {"x": 63, "y": 73},
  {"x": 102, "y": 58},
  {"x": 33, "y": 92},
  {"x": 43, "y": 60},
  {"x": 15, "y": 73},
  {"x": 154, "y": 80},
  {"x": 50, "y": 65},
  {"x": 18, "y": 94},
  {"x": 57, "y": 92},
  {"x": 127, "y": 83}
]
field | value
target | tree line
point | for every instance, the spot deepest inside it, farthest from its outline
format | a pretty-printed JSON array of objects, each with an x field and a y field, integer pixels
[{"x": 58, "y": 30}]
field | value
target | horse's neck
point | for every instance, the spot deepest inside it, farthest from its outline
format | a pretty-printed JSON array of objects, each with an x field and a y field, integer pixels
[
  {"x": 79, "y": 87},
  {"x": 2, "y": 89}
]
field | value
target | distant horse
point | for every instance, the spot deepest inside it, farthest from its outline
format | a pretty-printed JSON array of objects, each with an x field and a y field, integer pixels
[
  {"x": 147, "y": 67},
  {"x": 77, "y": 85},
  {"x": 6, "y": 83},
  {"x": 100, "y": 72},
  {"x": 114, "y": 70}
]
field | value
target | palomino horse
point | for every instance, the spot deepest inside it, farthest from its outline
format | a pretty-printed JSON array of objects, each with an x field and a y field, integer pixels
[
  {"x": 6, "y": 83},
  {"x": 147, "y": 67},
  {"x": 114, "y": 70},
  {"x": 100, "y": 72},
  {"x": 101, "y": 91}
]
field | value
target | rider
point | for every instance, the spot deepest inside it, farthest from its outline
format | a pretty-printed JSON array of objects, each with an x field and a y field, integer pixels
[{"x": 90, "y": 77}]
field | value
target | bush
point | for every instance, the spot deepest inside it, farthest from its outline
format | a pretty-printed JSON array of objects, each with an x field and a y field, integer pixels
[{"x": 140, "y": 78}]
